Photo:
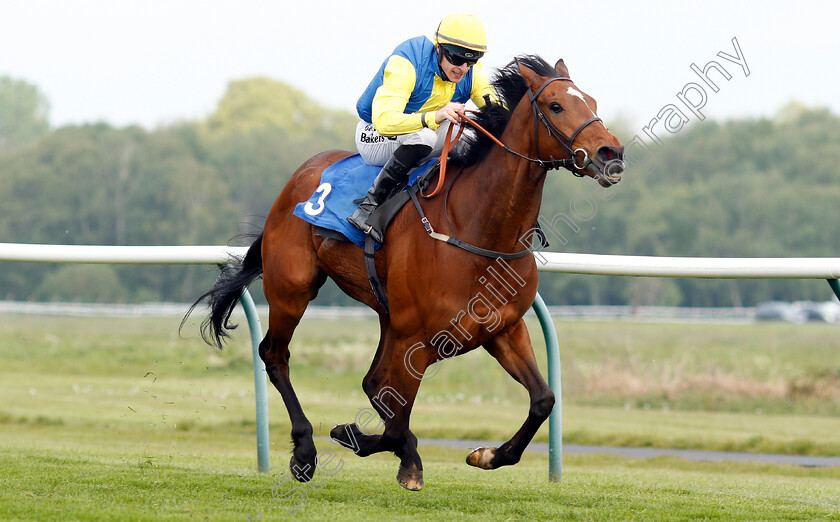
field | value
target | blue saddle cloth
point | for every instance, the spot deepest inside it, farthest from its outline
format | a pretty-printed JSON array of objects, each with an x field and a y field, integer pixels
[{"x": 342, "y": 183}]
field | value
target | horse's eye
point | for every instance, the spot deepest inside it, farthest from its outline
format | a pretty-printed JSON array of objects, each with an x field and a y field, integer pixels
[{"x": 555, "y": 107}]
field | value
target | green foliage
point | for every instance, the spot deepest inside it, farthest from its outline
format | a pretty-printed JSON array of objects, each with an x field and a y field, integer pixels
[
  {"x": 259, "y": 103},
  {"x": 23, "y": 113},
  {"x": 83, "y": 283},
  {"x": 261, "y": 132},
  {"x": 187, "y": 184}
]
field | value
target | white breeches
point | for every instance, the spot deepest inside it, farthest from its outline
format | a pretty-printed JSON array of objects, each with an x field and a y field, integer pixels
[{"x": 376, "y": 149}]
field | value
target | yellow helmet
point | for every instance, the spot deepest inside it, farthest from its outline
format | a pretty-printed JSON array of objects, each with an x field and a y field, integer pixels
[{"x": 463, "y": 30}]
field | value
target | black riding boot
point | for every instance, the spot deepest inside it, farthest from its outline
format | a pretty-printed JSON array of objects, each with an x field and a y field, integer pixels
[{"x": 390, "y": 179}]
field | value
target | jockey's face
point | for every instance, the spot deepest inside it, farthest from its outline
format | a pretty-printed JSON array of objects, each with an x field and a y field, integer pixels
[{"x": 455, "y": 73}]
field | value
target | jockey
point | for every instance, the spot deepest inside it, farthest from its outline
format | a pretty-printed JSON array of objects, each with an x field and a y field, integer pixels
[{"x": 407, "y": 107}]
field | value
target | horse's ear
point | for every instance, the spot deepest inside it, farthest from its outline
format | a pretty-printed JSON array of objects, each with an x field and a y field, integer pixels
[
  {"x": 532, "y": 79},
  {"x": 561, "y": 68}
]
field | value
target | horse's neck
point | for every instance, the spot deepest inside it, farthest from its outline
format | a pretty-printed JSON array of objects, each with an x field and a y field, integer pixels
[{"x": 499, "y": 200}]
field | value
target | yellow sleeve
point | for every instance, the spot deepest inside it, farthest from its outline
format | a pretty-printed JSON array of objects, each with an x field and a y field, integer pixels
[
  {"x": 481, "y": 86},
  {"x": 391, "y": 98}
]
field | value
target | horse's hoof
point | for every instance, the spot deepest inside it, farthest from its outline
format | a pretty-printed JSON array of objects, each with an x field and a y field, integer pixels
[
  {"x": 302, "y": 472},
  {"x": 337, "y": 431},
  {"x": 349, "y": 436},
  {"x": 410, "y": 478},
  {"x": 481, "y": 458}
]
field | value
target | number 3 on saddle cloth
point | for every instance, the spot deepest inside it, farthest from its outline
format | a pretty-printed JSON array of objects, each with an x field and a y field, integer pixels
[{"x": 343, "y": 184}]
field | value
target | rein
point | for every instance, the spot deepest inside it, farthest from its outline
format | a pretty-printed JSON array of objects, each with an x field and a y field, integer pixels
[{"x": 569, "y": 163}]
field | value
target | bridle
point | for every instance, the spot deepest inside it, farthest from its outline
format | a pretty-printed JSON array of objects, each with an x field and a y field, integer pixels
[
  {"x": 567, "y": 142},
  {"x": 570, "y": 163}
]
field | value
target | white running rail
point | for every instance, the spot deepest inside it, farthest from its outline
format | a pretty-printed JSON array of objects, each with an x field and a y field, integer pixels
[{"x": 694, "y": 267}]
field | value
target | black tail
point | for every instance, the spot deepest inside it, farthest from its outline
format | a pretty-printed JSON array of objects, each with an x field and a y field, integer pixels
[{"x": 222, "y": 298}]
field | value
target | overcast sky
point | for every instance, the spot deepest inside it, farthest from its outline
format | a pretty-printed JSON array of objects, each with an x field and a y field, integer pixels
[{"x": 157, "y": 62}]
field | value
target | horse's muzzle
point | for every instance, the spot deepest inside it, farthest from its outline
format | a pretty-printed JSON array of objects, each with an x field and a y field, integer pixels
[
  {"x": 611, "y": 173},
  {"x": 610, "y": 165}
]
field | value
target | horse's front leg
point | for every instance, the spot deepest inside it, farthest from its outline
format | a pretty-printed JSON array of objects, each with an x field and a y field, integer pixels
[
  {"x": 513, "y": 350},
  {"x": 391, "y": 387}
]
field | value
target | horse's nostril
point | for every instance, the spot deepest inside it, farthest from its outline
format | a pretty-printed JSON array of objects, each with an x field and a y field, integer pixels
[{"x": 607, "y": 153}]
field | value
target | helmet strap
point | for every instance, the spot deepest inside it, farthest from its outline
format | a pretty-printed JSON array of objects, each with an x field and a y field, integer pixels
[{"x": 440, "y": 60}]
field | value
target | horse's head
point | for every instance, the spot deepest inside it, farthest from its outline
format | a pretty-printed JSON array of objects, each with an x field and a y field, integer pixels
[{"x": 568, "y": 130}]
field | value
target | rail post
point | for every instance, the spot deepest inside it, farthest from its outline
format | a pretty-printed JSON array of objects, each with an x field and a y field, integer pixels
[
  {"x": 835, "y": 285},
  {"x": 260, "y": 394},
  {"x": 555, "y": 420}
]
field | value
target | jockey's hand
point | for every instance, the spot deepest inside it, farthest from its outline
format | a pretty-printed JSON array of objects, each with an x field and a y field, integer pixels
[{"x": 451, "y": 112}]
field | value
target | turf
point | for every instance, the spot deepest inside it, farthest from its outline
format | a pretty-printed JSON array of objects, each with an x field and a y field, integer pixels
[
  {"x": 121, "y": 419},
  {"x": 54, "y": 473}
]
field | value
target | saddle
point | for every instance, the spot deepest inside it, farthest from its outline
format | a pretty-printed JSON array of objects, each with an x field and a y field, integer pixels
[
  {"x": 382, "y": 216},
  {"x": 343, "y": 186}
]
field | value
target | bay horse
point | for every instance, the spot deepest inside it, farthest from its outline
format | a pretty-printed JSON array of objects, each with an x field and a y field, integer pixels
[{"x": 443, "y": 300}]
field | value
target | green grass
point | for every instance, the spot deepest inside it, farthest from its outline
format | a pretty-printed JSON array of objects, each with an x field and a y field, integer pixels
[
  {"x": 767, "y": 367},
  {"x": 140, "y": 371},
  {"x": 121, "y": 419},
  {"x": 55, "y": 473}
]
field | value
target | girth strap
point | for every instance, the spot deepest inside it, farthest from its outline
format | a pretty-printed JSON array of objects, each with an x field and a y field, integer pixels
[{"x": 370, "y": 266}]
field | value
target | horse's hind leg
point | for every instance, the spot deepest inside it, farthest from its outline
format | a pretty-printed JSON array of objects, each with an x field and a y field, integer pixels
[
  {"x": 289, "y": 288},
  {"x": 514, "y": 352}
]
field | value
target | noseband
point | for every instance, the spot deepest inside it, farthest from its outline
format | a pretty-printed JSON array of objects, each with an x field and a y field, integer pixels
[{"x": 566, "y": 141}]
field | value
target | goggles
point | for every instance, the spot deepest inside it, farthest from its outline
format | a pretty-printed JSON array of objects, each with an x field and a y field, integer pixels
[{"x": 458, "y": 59}]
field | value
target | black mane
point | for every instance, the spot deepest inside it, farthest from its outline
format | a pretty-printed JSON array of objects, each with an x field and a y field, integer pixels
[{"x": 510, "y": 86}]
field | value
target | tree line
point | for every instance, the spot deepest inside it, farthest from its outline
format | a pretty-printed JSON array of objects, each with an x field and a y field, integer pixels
[{"x": 738, "y": 188}]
